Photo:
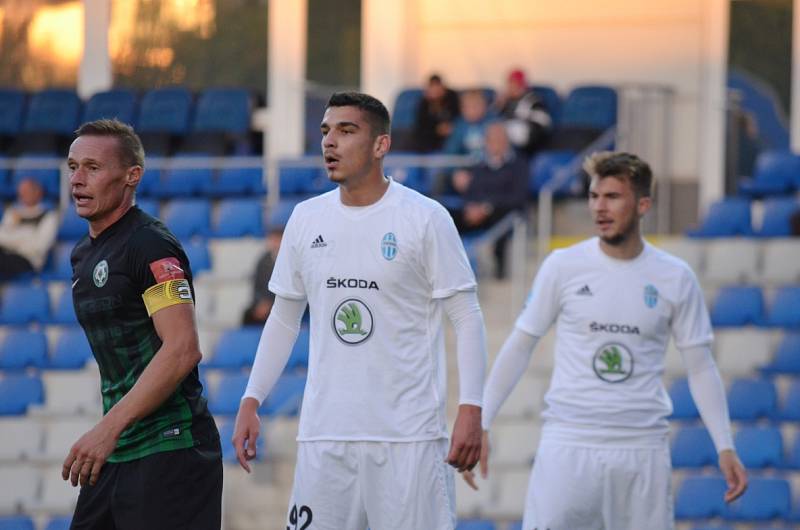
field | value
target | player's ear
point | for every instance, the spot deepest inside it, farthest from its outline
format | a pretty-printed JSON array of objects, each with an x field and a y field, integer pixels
[
  {"x": 134, "y": 175},
  {"x": 381, "y": 145},
  {"x": 643, "y": 206}
]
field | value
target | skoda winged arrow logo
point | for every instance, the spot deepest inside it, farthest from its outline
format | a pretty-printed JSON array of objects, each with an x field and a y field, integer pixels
[{"x": 352, "y": 321}]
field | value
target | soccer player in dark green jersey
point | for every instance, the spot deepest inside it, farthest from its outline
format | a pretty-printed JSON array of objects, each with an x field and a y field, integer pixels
[{"x": 154, "y": 460}]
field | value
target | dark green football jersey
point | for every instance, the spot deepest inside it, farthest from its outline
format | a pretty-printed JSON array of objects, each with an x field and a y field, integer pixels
[{"x": 110, "y": 273}]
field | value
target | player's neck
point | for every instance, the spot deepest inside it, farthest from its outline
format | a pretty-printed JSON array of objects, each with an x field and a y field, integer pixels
[
  {"x": 97, "y": 226},
  {"x": 364, "y": 192},
  {"x": 628, "y": 248}
]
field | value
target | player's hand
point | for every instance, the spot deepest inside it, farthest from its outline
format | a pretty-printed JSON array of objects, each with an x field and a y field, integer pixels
[
  {"x": 465, "y": 446},
  {"x": 89, "y": 453},
  {"x": 735, "y": 474},
  {"x": 469, "y": 475},
  {"x": 245, "y": 432}
]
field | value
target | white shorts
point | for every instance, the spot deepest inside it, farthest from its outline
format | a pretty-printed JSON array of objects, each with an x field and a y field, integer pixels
[
  {"x": 586, "y": 488},
  {"x": 380, "y": 485}
]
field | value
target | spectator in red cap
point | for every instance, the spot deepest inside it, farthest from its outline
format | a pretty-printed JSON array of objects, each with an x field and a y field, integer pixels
[{"x": 527, "y": 120}]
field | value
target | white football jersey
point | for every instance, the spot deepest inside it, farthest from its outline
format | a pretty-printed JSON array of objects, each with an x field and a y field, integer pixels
[
  {"x": 373, "y": 277},
  {"x": 614, "y": 320}
]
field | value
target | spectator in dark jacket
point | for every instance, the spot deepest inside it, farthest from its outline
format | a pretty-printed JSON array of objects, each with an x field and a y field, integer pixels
[
  {"x": 527, "y": 120},
  {"x": 436, "y": 113}
]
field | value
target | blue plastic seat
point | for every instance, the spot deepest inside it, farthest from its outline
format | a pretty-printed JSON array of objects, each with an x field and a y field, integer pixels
[
  {"x": 73, "y": 227},
  {"x": 240, "y": 217},
  {"x": 551, "y": 100},
  {"x": 183, "y": 181},
  {"x": 12, "y": 110},
  {"x": 750, "y": 399},
  {"x": 476, "y": 524},
  {"x": 223, "y": 110},
  {"x": 299, "y": 356},
  {"x": 786, "y": 359},
  {"x": 700, "y": 498},
  {"x": 777, "y": 212},
  {"x": 59, "y": 523},
  {"x": 199, "y": 256},
  {"x": 59, "y": 266},
  {"x": 18, "y": 391},
  {"x": 21, "y": 349},
  {"x": 228, "y": 451},
  {"x": 784, "y": 311},
  {"x": 683, "y": 407},
  {"x": 693, "y": 447},
  {"x": 713, "y": 527},
  {"x": 765, "y": 499},
  {"x": 22, "y": 304},
  {"x": 236, "y": 348},
  {"x": 16, "y": 522},
  {"x": 71, "y": 351},
  {"x": 188, "y": 217},
  {"x": 118, "y": 103},
  {"x": 590, "y": 107},
  {"x": 42, "y": 168},
  {"x": 415, "y": 178},
  {"x": 738, "y": 306},
  {"x": 726, "y": 218},
  {"x": 233, "y": 181},
  {"x": 224, "y": 399},
  {"x": 285, "y": 397},
  {"x": 759, "y": 446},
  {"x": 793, "y": 458},
  {"x": 165, "y": 110},
  {"x": 774, "y": 174},
  {"x": 280, "y": 213},
  {"x": 405, "y": 108},
  {"x": 149, "y": 206},
  {"x": 545, "y": 166},
  {"x": 53, "y": 110},
  {"x": 790, "y": 408},
  {"x": 64, "y": 310}
]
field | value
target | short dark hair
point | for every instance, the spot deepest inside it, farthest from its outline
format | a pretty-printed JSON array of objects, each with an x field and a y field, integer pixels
[
  {"x": 129, "y": 144},
  {"x": 376, "y": 114},
  {"x": 621, "y": 165}
]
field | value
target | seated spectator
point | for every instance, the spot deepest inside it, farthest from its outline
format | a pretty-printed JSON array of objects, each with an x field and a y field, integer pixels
[
  {"x": 261, "y": 305},
  {"x": 27, "y": 232},
  {"x": 794, "y": 224},
  {"x": 436, "y": 113},
  {"x": 527, "y": 120},
  {"x": 469, "y": 131},
  {"x": 492, "y": 189}
]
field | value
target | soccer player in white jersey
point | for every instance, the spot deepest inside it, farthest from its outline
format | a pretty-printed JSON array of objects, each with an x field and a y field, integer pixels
[
  {"x": 603, "y": 462},
  {"x": 378, "y": 264}
]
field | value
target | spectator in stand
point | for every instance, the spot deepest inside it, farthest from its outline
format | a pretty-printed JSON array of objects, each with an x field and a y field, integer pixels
[
  {"x": 794, "y": 224},
  {"x": 27, "y": 232},
  {"x": 436, "y": 113},
  {"x": 492, "y": 189},
  {"x": 527, "y": 120},
  {"x": 263, "y": 298},
  {"x": 469, "y": 131}
]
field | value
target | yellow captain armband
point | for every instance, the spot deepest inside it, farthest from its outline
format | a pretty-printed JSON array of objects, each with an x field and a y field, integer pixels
[{"x": 167, "y": 293}]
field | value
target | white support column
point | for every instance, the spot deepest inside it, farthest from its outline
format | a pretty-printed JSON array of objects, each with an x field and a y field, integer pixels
[
  {"x": 287, "y": 34},
  {"x": 94, "y": 74},
  {"x": 713, "y": 101},
  {"x": 388, "y": 47},
  {"x": 794, "y": 130}
]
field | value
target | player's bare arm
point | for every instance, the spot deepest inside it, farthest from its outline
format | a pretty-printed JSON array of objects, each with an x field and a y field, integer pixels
[{"x": 178, "y": 355}]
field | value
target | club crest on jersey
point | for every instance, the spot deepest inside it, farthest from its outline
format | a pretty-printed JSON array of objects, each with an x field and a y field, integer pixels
[
  {"x": 613, "y": 363},
  {"x": 352, "y": 321},
  {"x": 650, "y": 296},
  {"x": 389, "y": 246},
  {"x": 100, "y": 273}
]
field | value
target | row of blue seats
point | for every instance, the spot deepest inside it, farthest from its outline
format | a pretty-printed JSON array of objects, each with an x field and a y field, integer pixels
[
  {"x": 235, "y": 349},
  {"x": 162, "y": 110},
  {"x": 749, "y": 399},
  {"x": 758, "y": 446},
  {"x": 766, "y": 499},
  {"x": 775, "y": 173},
  {"x": 485, "y": 524},
  {"x": 743, "y": 305},
  {"x": 731, "y": 217},
  {"x": 24, "y": 522}
]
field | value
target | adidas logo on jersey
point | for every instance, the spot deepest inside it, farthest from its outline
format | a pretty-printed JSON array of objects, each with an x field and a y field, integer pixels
[
  {"x": 319, "y": 243},
  {"x": 584, "y": 291}
]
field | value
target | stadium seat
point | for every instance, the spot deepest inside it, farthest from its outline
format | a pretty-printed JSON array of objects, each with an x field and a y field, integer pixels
[
  {"x": 476, "y": 524},
  {"x": 164, "y": 116},
  {"x": 280, "y": 213},
  {"x": 21, "y": 349},
  {"x": 221, "y": 124},
  {"x": 235, "y": 259},
  {"x": 689, "y": 250},
  {"x": 237, "y": 181},
  {"x": 545, "y": 166},
  {"x": 590, "y": 107},
  {"x": 53, "y": 110},
  {"x": 186, "y": 179},
  {"x": 236, "y": 348},
  {"x": 416, "y": 178},
  {"x": 784, "y": 311},
  {"x": 7, "y": 190},
  {"x": 188, "y": 217},
  {"x": 786, "y": 359},
  {"x": 73, "y": 227},
  {"x": 793, "y": 458},
  {"x": 773, "y": 174},
  {"x": 18, "y": 391},
  {"x": 41, "y": 168},
  {"x": 777, "y": 212},
  {"x": 759, "y": 446},
  {"x": 304, "y": 181},
  {"x": 713, "y": 527},
  {"x": 151, "y": 178},
  {"x": 700, "y": 498},
  {"x": 22, "y": 438},
  {"x": 64, "y": 310},
  {"x": 726, "y": 218},
  {"x": 16, "y": 522},
  {"x": 60, "y": 523},
  {"x": 693, "y": 447},
  {"x": 118, "y": 103},
  {"x": 683, "y": 407},
  {"x": 779, "y": 263},
  {"x": 738, "y": 306},
  {"x": 765, "y": 499},
  {"x": 228, "y": 451},
  {"x": 750, "y": 399},
  {"x": 22, "y": 494},
  {"x": 61, "y": 432},
  {"x": 22, "y": 304},
  {"x": 740, "y": 352},
  {"x": 224, "y": 399},
  {"x": 199, "y": 257},
  {"x": 731, "y": 261},
  {"x": 299, "y": 356},
  {"x": 72, "y": 349},
  {"x": 404, "y": 116},
  {"x": 58, "y": 266},
  {"x": 55, "y": 497},
  {"x": 790, "y": 408},
  {"x": 551, "y": 100},
  {"x": 12, "y": 111},
  {"x": 240, "y": 217},
  {"x": 71, "y": 393},
  {"x": 285, "y": 397}
]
